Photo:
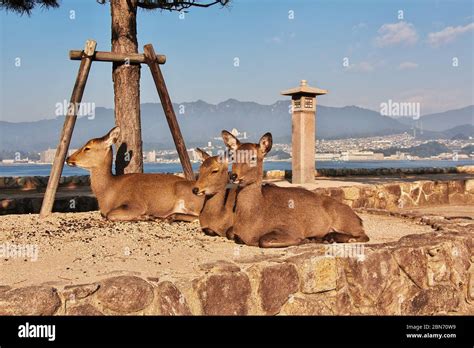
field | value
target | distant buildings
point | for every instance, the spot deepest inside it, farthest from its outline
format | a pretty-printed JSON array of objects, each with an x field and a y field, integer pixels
[
  {"x": 47, "y": 156},
  {"x": 350, "y": 156},
  {"x": 236, "y": 133},
  {"x": 361, "y": 156},
  {"x": 150, "y": 156},
  {"x": 193, "y": 156},
  {"x": 327, "y": 157},
  {"x": 349, "y": 149}
]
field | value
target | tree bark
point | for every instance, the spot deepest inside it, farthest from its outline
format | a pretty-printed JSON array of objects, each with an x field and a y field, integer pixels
[{"x": 126, "y": 79}]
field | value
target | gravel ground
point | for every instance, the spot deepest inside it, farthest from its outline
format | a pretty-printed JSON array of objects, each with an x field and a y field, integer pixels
[{"x": 77, "y": 248}]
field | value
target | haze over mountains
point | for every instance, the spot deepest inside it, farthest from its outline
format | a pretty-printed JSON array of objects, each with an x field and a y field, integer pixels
[{"x": 201, "y": 122}]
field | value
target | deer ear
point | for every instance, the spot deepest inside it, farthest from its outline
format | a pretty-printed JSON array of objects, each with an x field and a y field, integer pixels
[
  {"x": 112, "y": 137},
  {"x": 203, "y": 155},
  {"x": 265, "y": 143},
  {"x": 230, "y": 140}
]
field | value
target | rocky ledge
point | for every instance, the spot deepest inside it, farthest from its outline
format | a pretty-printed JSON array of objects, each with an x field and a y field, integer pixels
[{"x": 427, "y": 274}]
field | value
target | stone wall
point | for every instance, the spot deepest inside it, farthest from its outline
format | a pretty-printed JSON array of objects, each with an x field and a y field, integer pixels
[
  {"x": 39, "y": 182},
  {"x": 32, "y": 205},
  {"x": 26, "y": 183},
  {"x": 428, "y": 274},
  {"x": 393, "y": 196},
  {"x": 399, "y": 195},
  {"x": 342, "y": 172}
]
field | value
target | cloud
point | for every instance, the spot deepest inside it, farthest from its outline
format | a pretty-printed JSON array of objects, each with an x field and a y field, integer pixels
[
  {"x": 407, "y": 65},
  {"x": 361, "y": 67},
  {"x": 359, "y": 26},
  {"x": 274, "y": 39},
  {"x": 433, "y": 100},
  {"x": 448, "y": 34},
  {"x": 396, "y": 33}
]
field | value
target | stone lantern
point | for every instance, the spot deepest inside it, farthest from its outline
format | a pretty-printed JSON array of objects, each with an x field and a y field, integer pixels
[{"x": 303, "y": 102}]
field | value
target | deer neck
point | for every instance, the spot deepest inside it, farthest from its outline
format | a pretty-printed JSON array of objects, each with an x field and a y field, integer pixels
[
  {"x": 101, "y": 177},
  {"x": 250, "y": 196},
  {"x": 217, "y": 201}
]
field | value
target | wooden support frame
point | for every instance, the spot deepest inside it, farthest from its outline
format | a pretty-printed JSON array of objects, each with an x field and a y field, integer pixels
[
  {"x": 169, "y": 111},
  {"x": 132, "y": 58},
  {"x": 86, "y": 57},
  {"x": 66, "y": 134}
]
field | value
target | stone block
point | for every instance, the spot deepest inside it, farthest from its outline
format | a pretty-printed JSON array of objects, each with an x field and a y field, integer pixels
[
  {"x": 307, "y": 305},
  {"x": 83, "y": 310},
  {"x": 31, "y": 300},
  {"x": 125, "y": 294},
  {"x": 441, "y": 299},
  {"x": 413, "y": 262},
  {"x": 352, "y": 193},
  {"x": 225, "y": 293},
  {"x": 316, "y": 273},
  {"x": 274, "y": 282},
  {"x": 170, "y": 300}
]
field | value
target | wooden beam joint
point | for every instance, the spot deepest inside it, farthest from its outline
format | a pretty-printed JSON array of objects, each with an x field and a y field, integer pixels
[{"x": 127, "y": 58}]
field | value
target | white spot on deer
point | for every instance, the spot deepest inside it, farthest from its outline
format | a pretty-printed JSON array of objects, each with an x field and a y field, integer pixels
[{"x": 180, "y": 207}]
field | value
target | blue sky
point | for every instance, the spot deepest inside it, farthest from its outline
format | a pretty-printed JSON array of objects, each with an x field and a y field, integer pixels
[{"x": 409, "y": 59}]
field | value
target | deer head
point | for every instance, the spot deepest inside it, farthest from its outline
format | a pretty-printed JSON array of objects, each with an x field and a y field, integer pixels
[
  {"x": 95, "y": 152},
  {"x": 213, "y": 174},
  {"x": 247, "y": 158}
]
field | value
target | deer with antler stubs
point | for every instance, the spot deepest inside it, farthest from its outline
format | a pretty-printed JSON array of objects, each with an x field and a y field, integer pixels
[
  {"x": 135, "y": 196},
  {"x": 270, "y": 216}
]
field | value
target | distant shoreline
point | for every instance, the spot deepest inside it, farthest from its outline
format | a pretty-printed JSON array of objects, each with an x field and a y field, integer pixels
[
  {"x": 272, "y": 161},
  {"x": 33, "y": 169}
]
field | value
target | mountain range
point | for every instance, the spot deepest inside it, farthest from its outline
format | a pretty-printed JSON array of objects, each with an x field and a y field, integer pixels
[{"x": 201, "y": 122}]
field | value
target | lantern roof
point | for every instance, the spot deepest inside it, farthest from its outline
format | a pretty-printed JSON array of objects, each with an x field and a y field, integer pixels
[{"x": 304, "y": 88}]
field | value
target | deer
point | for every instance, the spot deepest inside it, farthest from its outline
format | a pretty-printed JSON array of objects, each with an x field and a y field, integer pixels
[
  {"x": 269, "y": 216},
  {"x": 137, "y": 196},
  {"x": 213, "y": 182}
]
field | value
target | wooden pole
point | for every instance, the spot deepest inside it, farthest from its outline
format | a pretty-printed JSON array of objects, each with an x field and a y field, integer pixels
[
  {"x": 169, "y": 111},
  {"x": 66, "y": 134},
  {"x": 132, "y": 58}
]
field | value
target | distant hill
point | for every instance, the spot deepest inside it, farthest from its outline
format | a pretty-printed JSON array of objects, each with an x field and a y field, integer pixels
[
  {"x": 467, "y": 149},
  {"x": 201, "y": 122},
  {"x": 460, "y": 132},
  {"x": 440, "y": 122},
  {"x": 432, "y": 148},
  {"x": 463, "y": 131}
]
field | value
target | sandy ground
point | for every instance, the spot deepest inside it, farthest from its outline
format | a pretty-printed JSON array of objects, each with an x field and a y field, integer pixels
[{"x": 77, "y": 248}]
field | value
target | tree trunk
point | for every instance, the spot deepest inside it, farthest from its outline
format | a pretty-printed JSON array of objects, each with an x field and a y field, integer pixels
[{"x": 126, "y": 78}]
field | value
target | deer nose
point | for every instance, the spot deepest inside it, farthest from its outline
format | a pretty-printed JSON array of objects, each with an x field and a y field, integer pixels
[
  {"x": 195, "y": 190},
  {"x": 233, "y": 177}
]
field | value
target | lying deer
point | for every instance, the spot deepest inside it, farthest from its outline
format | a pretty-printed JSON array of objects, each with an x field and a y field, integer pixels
[
  {"x": 270, "y": 216},
  {"x": 216, "y": 215},
  {"x": 138, "y": 196}
]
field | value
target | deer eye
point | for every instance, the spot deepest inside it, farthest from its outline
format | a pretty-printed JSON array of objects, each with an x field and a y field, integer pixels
[
  {"x": 87, "y": 148},
  {"x": 215, "y": 171}
]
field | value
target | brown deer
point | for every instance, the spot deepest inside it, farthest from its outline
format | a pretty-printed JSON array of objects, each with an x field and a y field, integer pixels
[
  {"x": 216, "y": 215},
  {"x": 131, "y": 197},
  {"x": 270, "y": 216}
]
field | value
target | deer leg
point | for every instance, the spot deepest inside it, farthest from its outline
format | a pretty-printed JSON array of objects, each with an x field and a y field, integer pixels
[
  {"x": 210, "y": 232},
  {"x": 359, "y": 239},
  {"x": 127, "y": 213},
  {"x": 181, "y": 217},
  {"x": 230, "y": 233},
  {"x": 339, "y": 237},
  {"x": 278, "y": 239}
]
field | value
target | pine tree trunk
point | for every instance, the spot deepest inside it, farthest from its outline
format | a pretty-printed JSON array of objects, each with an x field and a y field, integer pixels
[{"x": 126, "y": 80}]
